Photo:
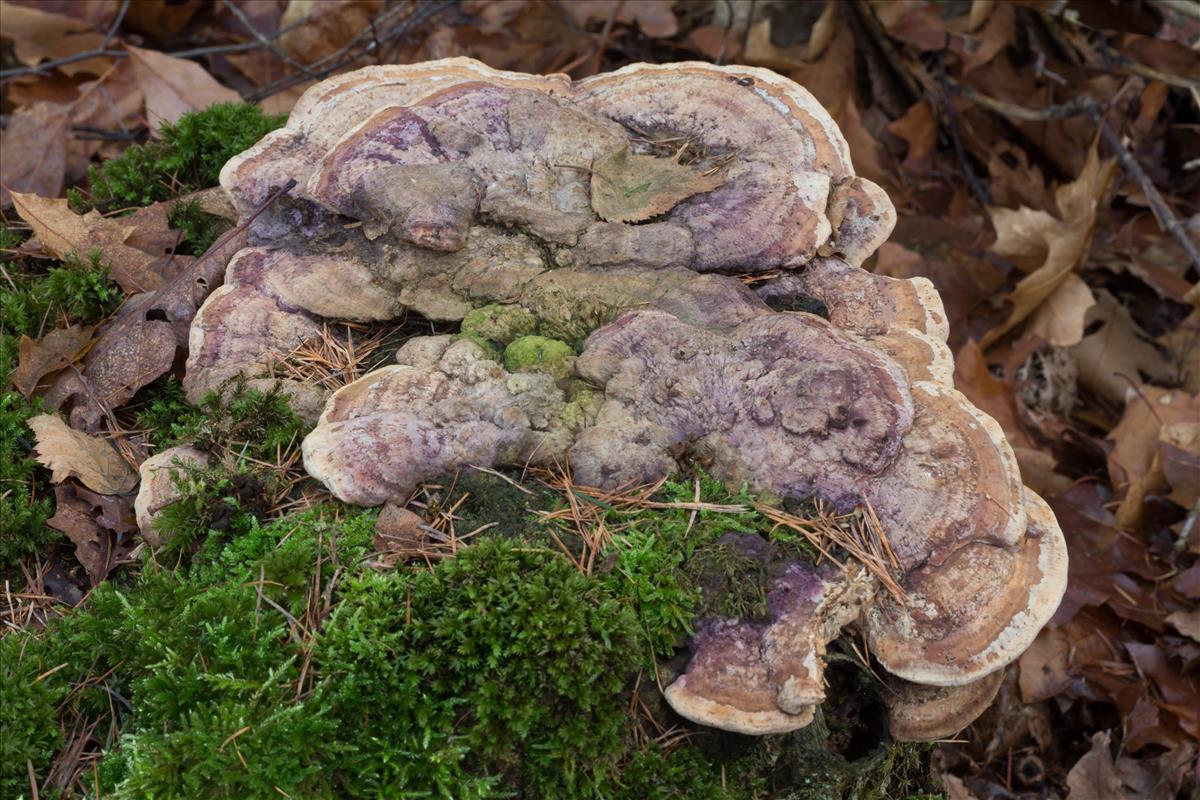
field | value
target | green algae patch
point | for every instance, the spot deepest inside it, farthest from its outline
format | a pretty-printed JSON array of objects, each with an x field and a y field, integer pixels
[
  {"x": 499, "y": 324},
  {"x": 539, "y": 354}
]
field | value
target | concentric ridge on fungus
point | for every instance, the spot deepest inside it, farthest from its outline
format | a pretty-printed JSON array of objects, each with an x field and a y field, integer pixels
[{"x": 445, "y": 187}]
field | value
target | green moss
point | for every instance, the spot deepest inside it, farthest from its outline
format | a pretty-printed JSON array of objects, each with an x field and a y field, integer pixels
[
  {"x": 510, "y": 640},
  {"x": 34, "y": 300},
  {"x": 499, "y": 324},
  {"x": 735, "y": 584},
  {"x": 164, "y": 413},
  {"x": 501, "y": 672},
  {"x": 478, "y": 498},
  {"x": 188, "y": 158},
  {"x": 28, "y": 712},
  {"x": 680, "y": 775},
  {"x": 25, "y": 503},
  {"x": 235, "y": 417},
  {"x": 198, "y": 228},
  {"x": 539, "y": 354},
  {"x": 198, "y": 655}
]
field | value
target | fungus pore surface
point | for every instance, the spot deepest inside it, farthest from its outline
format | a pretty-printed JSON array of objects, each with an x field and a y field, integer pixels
[{"x": 594, "y": 239}]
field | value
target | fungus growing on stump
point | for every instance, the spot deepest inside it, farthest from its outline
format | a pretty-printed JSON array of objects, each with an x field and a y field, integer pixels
[{"x": 587, "y": 234}]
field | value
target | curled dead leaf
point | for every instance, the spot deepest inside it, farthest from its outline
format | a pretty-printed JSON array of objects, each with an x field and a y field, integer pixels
[
  {"x": 1050, "y": 248},
  {"x": 1094, "y": 777},
  {"x": 53, "y": 352},
  {"x": 94, "y": 523},
  {"x": 35, "y": 151},
  {"x": 68, "y": 453},
  {"x": 1116, "y": 355}
]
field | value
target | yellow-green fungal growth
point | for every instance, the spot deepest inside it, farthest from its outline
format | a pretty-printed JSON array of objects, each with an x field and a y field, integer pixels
[
  {"x": 499, "y": 323},
  {"x": 539, "y": 354}
]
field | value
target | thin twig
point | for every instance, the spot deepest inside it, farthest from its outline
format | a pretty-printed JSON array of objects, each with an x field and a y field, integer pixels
[
  {"x": 1072, "y": 108},
  {"x": 116, "y": 24},
  {"x": 980, "y": 189},
  {"x": 347, "y": 55},
  {"x": 266, "y": 42},
  {"x": 1162, "y": 212}
]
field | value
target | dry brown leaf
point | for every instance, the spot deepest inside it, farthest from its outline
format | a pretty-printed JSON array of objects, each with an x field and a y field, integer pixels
[
  {"x": 398, "y": 535},
  {"x": 654, "y": 17},
  {"x": 1186, "y": 622},
  {"x": 918, "y": 127},
  {"x": 1048, "y": 247},
  {"x": 1018, "y": 182},
  {"x": 317, "y": 28},
  {"x": 1094, "y": 777},
  {"x": 1059, "y": 320},
  {"x": 1038, "y": 473},
  {"x": 53, "y": 352},
  {"x": 972, "y": 378},
  {"x": 69, "y": 453},
  {"x": 1134, "y": 463},
  {"x": 90, "y": 521},
  {"x": 35, "y": 151},
  {"x": 39, "y": 35},
  {"x": 1183, "y": 345},
  {"x": 141, "y": 343},
  {"x": 632, "y": 188},
  {"x": 1114, "y": 357},
  {"x": 1045, "y": 667},
  {"x": 996, "y": 35},
  {"x": 62, "y": 231},
  {"x": 174, "y": 86},
  {"x": 1179, "y": 454}
]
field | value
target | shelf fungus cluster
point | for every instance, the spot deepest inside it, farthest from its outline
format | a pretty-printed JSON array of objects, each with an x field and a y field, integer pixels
[{"x": 587, "y": 236}]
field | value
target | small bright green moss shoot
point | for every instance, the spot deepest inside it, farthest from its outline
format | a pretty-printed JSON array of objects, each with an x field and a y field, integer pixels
[{"x": 539, "y": 354}]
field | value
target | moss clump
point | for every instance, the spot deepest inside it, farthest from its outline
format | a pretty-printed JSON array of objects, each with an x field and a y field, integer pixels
[
  {"x": 34, "y": 300},
  {"x": 25, "y": 503},
  {"x": 539, "y": 354},
  {"x": 499, "y": 668},
  {"x": 188, "y": 158},
  {"x": 198, "y": 228},
  {"x": 734, "y": 581},
  {"x": 274, "y": 662},
  {"x": 499, "y": 324},
  {"x": 234, "y": 417},
  {"x": 196, "y": 655},
  {"x": 162, "y": 410}
]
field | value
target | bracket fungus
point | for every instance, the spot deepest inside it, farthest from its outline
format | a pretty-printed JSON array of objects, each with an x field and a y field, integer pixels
[{"x": 587, "y": 236}]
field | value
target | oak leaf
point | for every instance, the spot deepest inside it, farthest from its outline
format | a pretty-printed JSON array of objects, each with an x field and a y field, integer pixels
[
  {"x": 69, "y": 453},
  {"x": 62, "y": 231},
  {"x": 35, "y": 150},
  {"x": 37, "y": 35},
  {"x": 1117, "y": 354}
]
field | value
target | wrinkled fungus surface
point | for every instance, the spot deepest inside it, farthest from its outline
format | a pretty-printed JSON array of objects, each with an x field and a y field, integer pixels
[{"x": 587, "y": 236}]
